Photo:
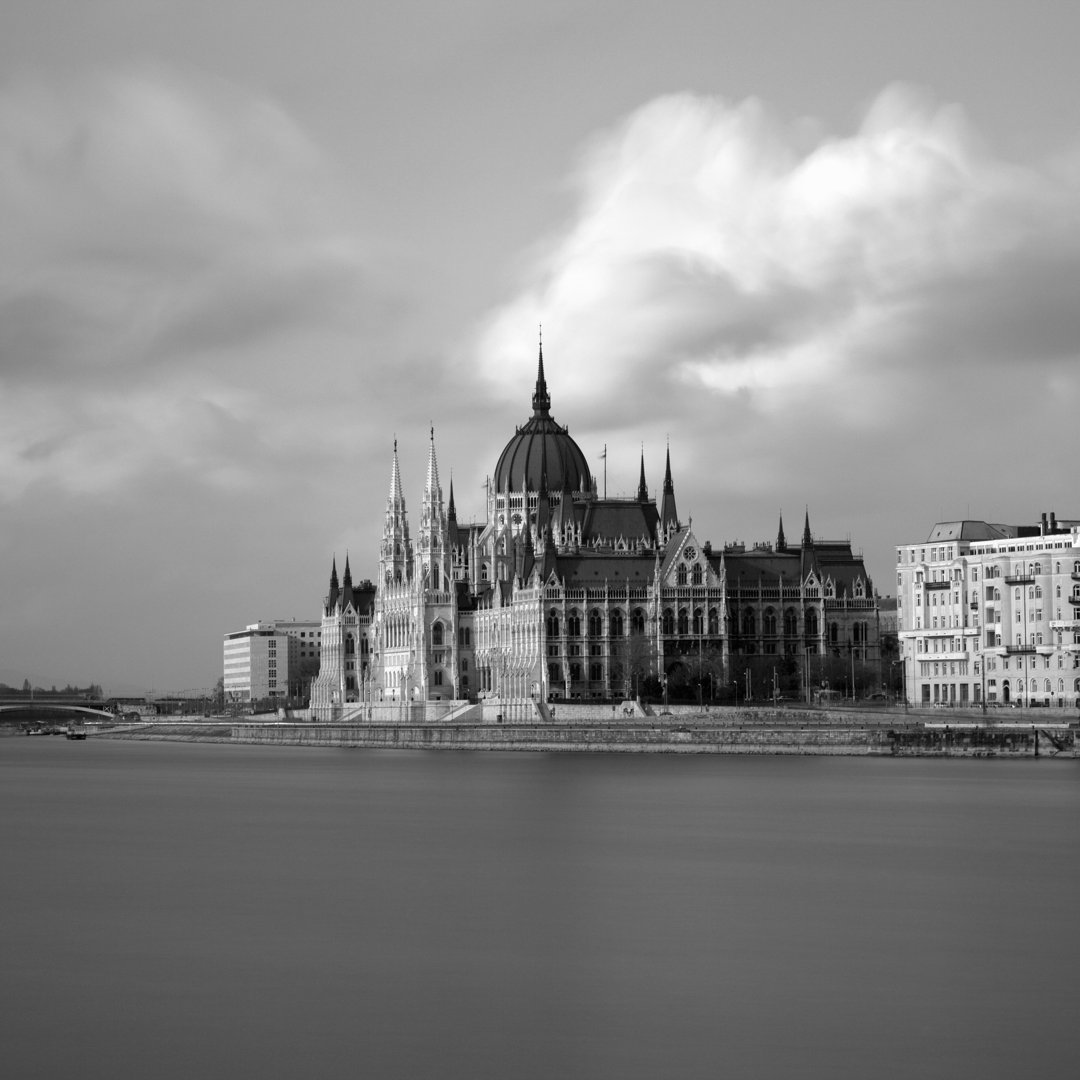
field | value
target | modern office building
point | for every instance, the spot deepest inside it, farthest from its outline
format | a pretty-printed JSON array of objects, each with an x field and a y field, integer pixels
[
  {"x": 990, "y": 613},
  {"x": 270, "y": 659}
]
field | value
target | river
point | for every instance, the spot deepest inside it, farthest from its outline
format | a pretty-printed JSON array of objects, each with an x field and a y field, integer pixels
[{"x": 182, "y": 910}]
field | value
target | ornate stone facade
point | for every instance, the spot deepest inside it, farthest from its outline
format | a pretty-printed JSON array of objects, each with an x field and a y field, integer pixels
[{"x": 561, "y": 593}]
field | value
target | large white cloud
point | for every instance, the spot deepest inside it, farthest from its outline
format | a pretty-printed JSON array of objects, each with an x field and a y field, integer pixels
[
  {"x": 839, "y": 319},
  {"x": 714, "y": 247}
]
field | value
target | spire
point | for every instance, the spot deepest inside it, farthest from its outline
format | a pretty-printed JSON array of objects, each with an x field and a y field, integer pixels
[
  {"x": 642, "y": 489},
  {"x": 451, "y": 510},
  {"x": 432, "y": 489},
  {"x": 541, "y": 402},
  {"x": 346, "y": 585},
  {"x": 395, "y": 480},
  {"x": 669, "y": 516},
  {"x": 332, "y": 596},
  {"x": 528, "y": 559},
  {"x": 781, "y": 540},
  {"x": 807, "y": 539}
]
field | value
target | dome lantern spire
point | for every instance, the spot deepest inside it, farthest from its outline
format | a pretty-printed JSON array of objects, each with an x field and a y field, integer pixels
[{"x": 541, "y": 403}]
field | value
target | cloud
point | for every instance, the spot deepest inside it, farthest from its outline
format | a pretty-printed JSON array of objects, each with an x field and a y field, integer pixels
[
  {"x": 713, "y": 248},
  {"x": 172, "y": 249},
  {"x": 786, "y": 297}
]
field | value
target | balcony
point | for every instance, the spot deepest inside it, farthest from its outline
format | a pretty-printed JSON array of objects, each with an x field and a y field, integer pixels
[
  {"x": 1019, "y": 579},
  {"x": 940, "y": 584},
  {"x": 1019, "y": 650}
]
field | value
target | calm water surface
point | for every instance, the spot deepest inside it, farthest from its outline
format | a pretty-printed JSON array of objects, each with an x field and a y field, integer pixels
[{"x": 179, "y": 910}]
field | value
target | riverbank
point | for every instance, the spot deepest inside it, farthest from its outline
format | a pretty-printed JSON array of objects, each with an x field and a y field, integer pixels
[{"x": 744, "y": 731}]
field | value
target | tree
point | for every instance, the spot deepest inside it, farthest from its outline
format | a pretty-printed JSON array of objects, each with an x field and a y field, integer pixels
[{"x": 633, "y": 662}]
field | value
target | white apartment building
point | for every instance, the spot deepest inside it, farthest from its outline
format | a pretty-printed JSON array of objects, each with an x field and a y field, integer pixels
[{"x": 990, "y": 613}]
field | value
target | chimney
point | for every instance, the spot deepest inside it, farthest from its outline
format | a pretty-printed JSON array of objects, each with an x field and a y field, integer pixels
[
  {"x": 1043, "y": 532},
  {"x": 1053, "y": 522}
]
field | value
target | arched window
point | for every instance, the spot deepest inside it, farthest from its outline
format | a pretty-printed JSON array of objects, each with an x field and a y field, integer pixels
[
  {"x": 350, "y": 645},
  {"x": 768, "y": 623},
  {"x": 834, "y": 633},
  {"x": 553, "y": 623},
  {"x": 667, "y": 622},
  {"x": 812, "y": 623},
  {"x": 791, "y": 623},
  {"x": 699, "y": 621},
  {"x": 637, "y": 621},
  {"x": 684, "y": 622},
  {"x": 573, "y": 623},
  {"x": 437, "y": 634},
  {"x": 749, "y": 623},
  {"x": 596, "y": 624},
  {"x": 997, "y": 594},
  {"x": 714, "y": 622},
  {"x": 616, "y": 623},
  {"x": 553, "y": 674},
  {"x": 696, "y": 574},
  {"x": 1046, "y": 686},
  {"x": 680, "y": 574}
]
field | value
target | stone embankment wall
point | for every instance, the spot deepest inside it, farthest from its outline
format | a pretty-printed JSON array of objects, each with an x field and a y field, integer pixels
[{"x": 627, "y": 737}]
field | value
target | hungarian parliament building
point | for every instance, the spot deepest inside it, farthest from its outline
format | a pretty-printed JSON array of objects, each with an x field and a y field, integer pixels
[{"x": 563, "y": 594}]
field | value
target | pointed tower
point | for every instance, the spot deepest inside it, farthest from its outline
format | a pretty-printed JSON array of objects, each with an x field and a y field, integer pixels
[
  {"x": 432, "y": 554},
  {"x": 781, "y": 540},
  {"x": 395, "y": 551},
  {"x": 332, "y": 595},
  {"x": 642, "y": 487},
  {"x": 669, "y": 516},
  {"x": 346, "y": 586},
  {"x": 809, "y": 562}
]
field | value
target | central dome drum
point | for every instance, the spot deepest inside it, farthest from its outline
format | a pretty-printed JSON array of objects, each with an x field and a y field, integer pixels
[{"x": 542, "y": 453}]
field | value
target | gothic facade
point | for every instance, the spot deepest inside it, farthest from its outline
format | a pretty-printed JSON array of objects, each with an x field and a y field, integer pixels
[{"x": 563, "y": 593}]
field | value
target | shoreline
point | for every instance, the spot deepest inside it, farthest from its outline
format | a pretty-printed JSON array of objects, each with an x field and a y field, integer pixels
[{"x": 801, "y": 734}]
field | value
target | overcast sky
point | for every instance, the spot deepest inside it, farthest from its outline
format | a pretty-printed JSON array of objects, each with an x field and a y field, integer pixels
[{"x": 830, "y": 249}]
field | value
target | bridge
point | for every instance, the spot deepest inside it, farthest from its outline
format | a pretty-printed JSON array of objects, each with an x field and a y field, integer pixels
[{"x": 51, "y": 706}]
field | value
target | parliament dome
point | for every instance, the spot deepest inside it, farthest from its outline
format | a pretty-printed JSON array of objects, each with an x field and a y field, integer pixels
[{"x": 542, "y": 450}]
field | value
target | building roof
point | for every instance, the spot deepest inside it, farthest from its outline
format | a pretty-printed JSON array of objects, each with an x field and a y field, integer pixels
[
  {"x": 968, "y": 529},
  {"x": 541, "y": 455},
  {"x": 620, "y": 519}
]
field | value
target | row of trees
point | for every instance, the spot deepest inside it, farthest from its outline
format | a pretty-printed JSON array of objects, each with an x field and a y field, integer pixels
[
  {"x": 93, "y": 692},
  {"x": 701, "y": 674}
]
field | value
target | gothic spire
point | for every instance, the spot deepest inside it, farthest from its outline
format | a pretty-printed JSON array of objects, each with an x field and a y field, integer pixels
[
  {"x": 669, "y": 516},
  {"x": 335, "y": 591},
  {"x": 432, "y": 489},
  {"x": 541, "y": 402},
  {"x": 807, "y": 539},
  {"x": 395, "y": 498},
  {"x": 346, "y": 585},
  {"x": 781, "y": 540},
  {"x": 642, "y": 489}
]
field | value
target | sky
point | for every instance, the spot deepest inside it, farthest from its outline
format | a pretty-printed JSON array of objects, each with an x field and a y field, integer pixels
[{"x": 827, "y": 251}]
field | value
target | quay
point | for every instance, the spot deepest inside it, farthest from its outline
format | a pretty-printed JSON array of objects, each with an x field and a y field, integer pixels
[{"x": 682, "y": 730}]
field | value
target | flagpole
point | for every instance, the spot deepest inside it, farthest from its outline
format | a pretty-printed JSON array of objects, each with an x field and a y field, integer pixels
[{"x": 604, "y": 456}]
